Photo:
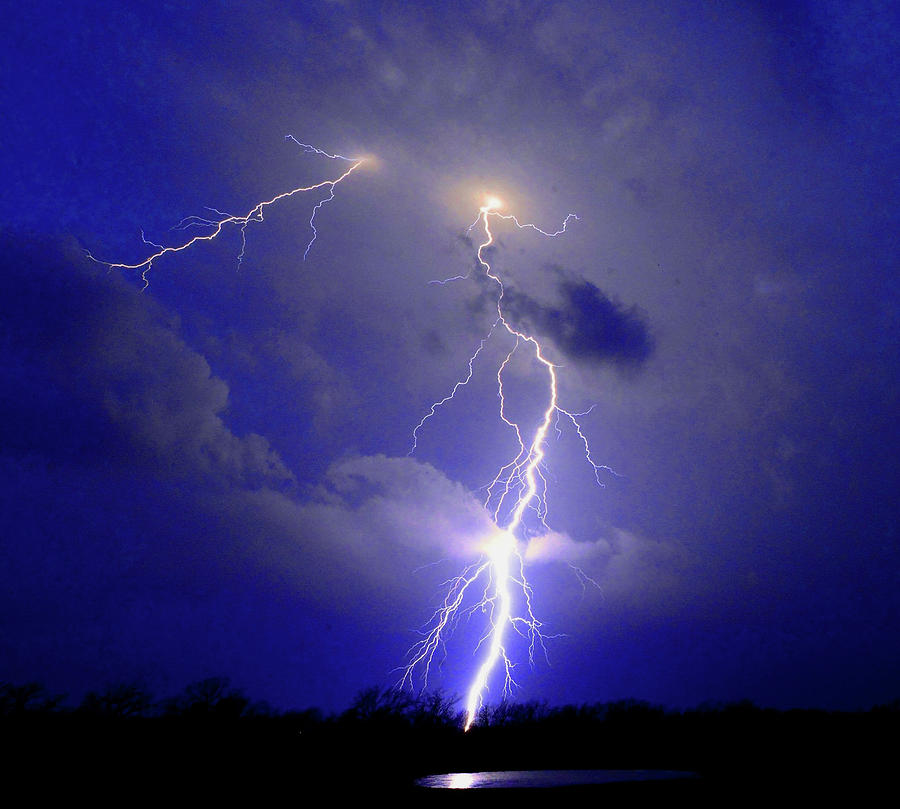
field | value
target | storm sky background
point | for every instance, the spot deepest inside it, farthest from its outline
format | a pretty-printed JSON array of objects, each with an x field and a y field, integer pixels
[{"x": 210, "y": 477}]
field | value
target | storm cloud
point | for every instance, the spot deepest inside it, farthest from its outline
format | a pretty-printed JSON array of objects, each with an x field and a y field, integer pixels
[
  {"x": 586, "y": 325},
  {"x": 98, "y": 376},
  {"x": 205, "y": 478}
]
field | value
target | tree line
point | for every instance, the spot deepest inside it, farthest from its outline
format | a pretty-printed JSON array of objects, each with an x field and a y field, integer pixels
[
  {"x": 215, "y": 697},
  {"x": 387, "y": 737}
]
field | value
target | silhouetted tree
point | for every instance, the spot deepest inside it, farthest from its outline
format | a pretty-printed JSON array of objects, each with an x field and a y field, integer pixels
[
  {"x": 381, "y": 705},
  {"x": 508, "y": 714},
  {"x": 887, "y": 707},
  {"x": 17, "y": 700},
  {"x": 632, "y": 709},
  {"x": 118, "y": 701},
  {"x": 436, "y": 709},
  {"x": 211, "y": 698}
]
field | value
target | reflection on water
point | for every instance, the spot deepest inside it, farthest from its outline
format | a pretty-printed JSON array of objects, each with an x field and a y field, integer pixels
[
  {"x": 456, "y": 780},
  {"x": 528, "y": 779}
]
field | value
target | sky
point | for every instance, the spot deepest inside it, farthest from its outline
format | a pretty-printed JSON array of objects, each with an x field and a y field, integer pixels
[{"x": 210, "y": 476}]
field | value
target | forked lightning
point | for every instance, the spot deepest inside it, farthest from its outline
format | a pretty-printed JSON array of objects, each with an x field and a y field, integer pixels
[
  {"x": 213, "y": 227},
  {"x": 496, "y": 585},
  {"x": 498, "y": 580}
]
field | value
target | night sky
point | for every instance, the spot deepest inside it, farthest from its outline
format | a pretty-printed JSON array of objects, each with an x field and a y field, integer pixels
[{"x": 210, "y": 477}]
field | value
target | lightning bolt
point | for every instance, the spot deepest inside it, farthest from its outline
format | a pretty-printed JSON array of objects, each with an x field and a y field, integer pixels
[
  {"x": 212, "y": 227},
  {"x": 519, "y": 489},
  {"x": 498, "y": 579}
]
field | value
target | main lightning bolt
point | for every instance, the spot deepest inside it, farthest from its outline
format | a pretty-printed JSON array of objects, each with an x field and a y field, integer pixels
[
  {"x": 519, "y": 487},
  {"x": 213, "y": 227}
]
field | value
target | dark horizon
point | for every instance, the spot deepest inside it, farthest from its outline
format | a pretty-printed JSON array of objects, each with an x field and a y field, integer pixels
[
  {"x": 212, "y": 474},
  {"x": 211, "y": 739},
  {"x": 122, "y": 700}
]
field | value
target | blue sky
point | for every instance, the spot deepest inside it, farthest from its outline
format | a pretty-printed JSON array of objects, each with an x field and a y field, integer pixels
[{"x": 210, "y": 477}]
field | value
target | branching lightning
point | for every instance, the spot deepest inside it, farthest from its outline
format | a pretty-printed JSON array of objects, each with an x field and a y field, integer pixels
[
  {"x": 213, "y": 227},
  {"x": 498, "y": 579},
  {"x": 516, "y": 498}
]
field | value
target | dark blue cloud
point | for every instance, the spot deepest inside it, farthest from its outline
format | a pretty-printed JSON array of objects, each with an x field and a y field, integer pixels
[
  {"x": 586, "y": 325},
  {"x": 99, "y": 375}
]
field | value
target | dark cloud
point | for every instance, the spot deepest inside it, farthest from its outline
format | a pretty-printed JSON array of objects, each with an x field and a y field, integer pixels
[
  {"x": 98, "y": 375},
  {"x": 586, "y": 326}
]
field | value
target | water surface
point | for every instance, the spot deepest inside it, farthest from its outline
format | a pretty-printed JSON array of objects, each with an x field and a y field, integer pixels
[{"x": 530, "y": 779}]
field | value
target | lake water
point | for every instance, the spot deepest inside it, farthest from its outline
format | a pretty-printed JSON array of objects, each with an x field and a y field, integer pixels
[{"x": 531, "y": 779}]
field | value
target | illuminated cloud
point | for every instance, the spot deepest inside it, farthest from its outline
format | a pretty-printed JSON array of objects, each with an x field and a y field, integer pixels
[
  {"x": 402, "y": 503},
  {"x": 558, "y": 547}
]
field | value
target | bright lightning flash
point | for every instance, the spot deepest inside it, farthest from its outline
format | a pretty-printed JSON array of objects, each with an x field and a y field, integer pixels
[
  {"x": 518, "y": 490},
  {"x": 213, "y": 227},
  {"x": 519, "y": 487}
]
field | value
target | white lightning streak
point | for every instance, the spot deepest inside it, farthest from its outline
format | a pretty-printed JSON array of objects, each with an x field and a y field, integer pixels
[
  {"x": 255, "y": 214},
  {"x": 518, "y": 486}
]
